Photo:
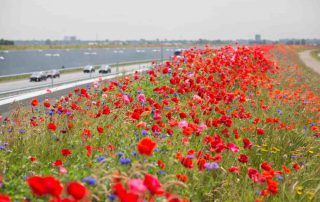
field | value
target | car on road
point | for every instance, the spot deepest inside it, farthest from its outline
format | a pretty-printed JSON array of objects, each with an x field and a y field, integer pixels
[
  {"x": 105, "y": 69},
  {"x": 88, "y": 69},
  {"x": 38, "y": 76},
  {"x": 178, "y": 52},
  {"x": 53, "y": 74}
]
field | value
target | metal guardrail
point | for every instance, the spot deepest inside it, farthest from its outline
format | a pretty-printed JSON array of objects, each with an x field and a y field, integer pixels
[{"x": 79, "y": 67}]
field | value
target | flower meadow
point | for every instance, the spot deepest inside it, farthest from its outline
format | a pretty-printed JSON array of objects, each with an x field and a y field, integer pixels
[{"x": 230, "y": 124}]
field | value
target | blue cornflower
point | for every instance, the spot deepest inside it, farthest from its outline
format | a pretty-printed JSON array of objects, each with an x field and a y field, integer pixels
[
  {"x": 112, "y": 196},
  {"x": 101, "y": 158},
  {"x": 22, "y": 131},
  {"x": 89, "y": 180},
  {"x": 119, "y": 154},
  {"x": 211, "y": 166},
  {"x": 162, "y": 172},
  {"x": 279, "y": 177},
  {"x": 51, "y": 112},
  {"x": 124, "y": 161},
  {"x": 144, "y": 132}
]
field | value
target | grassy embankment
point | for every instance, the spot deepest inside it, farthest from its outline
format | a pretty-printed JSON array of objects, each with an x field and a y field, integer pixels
[
  {"x": 316, "y": 54},
  {"x": 286, "y": 103}
]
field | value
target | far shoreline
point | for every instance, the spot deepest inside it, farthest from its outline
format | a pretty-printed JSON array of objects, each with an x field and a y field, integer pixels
[{"x": 85, "y": 46}]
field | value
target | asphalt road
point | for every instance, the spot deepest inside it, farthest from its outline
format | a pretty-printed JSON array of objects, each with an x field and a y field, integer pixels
[
  {"x": 67, "y": 77},
  {"x": 310, "y": 61},
  {"x": 6, "y": 109}
]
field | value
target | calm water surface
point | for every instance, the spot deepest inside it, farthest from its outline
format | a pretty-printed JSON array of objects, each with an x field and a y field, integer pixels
[{"x": 16, "y": 62}]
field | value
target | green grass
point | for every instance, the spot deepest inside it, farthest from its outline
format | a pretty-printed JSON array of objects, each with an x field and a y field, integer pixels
[{"x": 316, "y": 54}]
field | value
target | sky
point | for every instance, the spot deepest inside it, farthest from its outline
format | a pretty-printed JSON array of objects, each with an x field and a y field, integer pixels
[{"x": 159, "y": 19}]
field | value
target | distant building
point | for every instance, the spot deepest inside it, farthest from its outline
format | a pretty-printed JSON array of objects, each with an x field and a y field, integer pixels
[
  {"x": 257, "y": 38},
  {"x": 69, "y": 38}
]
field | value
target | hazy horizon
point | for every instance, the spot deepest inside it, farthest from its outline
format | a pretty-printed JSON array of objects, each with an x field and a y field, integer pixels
[{"x": 148, "y": 19}]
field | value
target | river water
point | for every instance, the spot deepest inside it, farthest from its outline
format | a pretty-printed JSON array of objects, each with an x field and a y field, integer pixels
[{"x": 16, "y": 62}]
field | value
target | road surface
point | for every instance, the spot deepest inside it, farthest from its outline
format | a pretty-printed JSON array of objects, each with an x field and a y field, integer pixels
[
  {"x": 67, "y": 77},
  {"x": 24, "y": 99},
  {"x": 310, "y": 61}
]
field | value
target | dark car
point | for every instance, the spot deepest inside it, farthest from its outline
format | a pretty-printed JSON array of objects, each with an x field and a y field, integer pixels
[
  {"x": 53, "y": 74},
  {"x": 178, "y": 52},
  {"x": 105, "y": 69},
  {"x": 38, "y": 76}
]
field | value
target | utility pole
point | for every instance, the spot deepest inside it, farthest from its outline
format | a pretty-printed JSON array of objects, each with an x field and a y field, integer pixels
[{"x": 161, "y": 51}]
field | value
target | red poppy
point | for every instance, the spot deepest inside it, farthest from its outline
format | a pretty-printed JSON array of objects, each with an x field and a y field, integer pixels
[
  {"x": 260, "y": 131},
  {"x": 246, "y": 143},
  {"x": 57, "y": 163},
  {"x": 272, "y": 186},
  {"x": 286, "y": 170},
  {"x": 34, "y": 102},
  {"x": 52, "y": 127},
  {"x": 100, "y": 130},
  {"x": 106, "y": 110},
  {"x": 4, "y": 198},
  {"x": 243, "y": 158},
  {"x": 86, "y": 133},
  {"x": 42, "y": 186},
  {"x": 187, "y": 131},
  {"x": 182, "y": 178},
  {"x": 46, "y": 104},
  {"x": 296, "y": 167},
  {"x": 123, "y": 194},
  {"x": 146, "y": 146},
  {"x": 234, "y": 169},
  {"x": 66, "y": 152},
  {"x": 161, "y": 164},
  {"x": 253, "y": 174},
  {"x": 32, "y": 158},
  {"x": 77, "y": 190},
  {"x": 266, "y": 166},
  {"x": 153, "y": 185},
  {"x": 187, "y": 162}
]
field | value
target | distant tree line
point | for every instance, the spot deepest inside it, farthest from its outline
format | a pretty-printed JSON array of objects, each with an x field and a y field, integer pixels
[{"x": 6, "y": 42}]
